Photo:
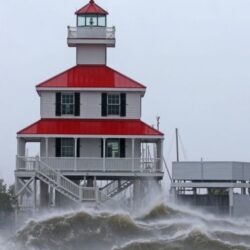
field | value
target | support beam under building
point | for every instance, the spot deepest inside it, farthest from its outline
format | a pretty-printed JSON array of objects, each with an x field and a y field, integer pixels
[{"x": 44, "y": 195}]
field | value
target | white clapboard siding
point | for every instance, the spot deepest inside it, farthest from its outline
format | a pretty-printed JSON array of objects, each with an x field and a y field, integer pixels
[
  {"x": 90, "y": 106},
  {"x": 89, "y": 148},
  {"x": 92, "y": 54}
]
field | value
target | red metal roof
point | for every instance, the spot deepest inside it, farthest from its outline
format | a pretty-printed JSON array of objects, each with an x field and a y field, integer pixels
[
  {"x": 90, "y": 76},
  {"x": 90, "y": 127},
  {"x": 91, "y": 8}
]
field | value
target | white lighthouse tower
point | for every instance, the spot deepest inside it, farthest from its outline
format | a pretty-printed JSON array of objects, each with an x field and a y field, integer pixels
[{"x": 93, "y": 144}]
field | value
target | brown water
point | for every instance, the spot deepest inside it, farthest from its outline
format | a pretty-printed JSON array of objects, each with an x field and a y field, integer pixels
[{"x": 161, "y": 227}]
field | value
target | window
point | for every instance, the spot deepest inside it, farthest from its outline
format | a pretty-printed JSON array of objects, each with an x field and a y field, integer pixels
[
  {"x": 81, "y": 21},
  {"x": 68, "y": 104},
  {"x": 101, "y": 21},
  {"x": 67, "y": 147},
  {"x": 91, "y": 20},
  {"x": 113, "y": 148},
  {"x": 113, "y": 104}
]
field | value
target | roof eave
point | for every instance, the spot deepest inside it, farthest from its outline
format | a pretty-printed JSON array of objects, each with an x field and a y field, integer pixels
[
  {"x": 20, "y": 135},
  {"x": 38, "y": 89}
]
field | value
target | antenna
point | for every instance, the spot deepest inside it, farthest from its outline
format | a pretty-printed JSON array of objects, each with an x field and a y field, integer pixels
[
  {"x": 177, "y": 144},
  {"x": 158, "y": 122}
]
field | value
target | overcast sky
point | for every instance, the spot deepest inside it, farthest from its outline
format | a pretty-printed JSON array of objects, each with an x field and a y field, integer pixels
[{"x": 193, "y": 56}]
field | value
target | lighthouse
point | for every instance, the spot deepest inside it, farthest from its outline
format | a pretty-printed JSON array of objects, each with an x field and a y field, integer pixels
[{"x": 93, "y": 144}]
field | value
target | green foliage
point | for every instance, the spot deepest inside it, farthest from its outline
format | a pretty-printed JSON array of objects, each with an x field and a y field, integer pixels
[{"x": 7, "y": 198}]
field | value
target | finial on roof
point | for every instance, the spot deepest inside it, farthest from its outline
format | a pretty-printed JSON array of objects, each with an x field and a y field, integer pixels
[{"x": 91, "y": 1}]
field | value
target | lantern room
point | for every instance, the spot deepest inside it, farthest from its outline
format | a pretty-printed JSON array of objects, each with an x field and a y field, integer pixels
[
  {"x": 91, "y": 34},
  {"x": 91, "y": 20},
  {"x": 91, "y": 15}
]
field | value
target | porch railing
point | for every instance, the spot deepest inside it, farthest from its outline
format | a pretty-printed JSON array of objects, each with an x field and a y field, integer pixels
[
  {"x": 91, "y": 32},
  {"x": 93, "y": 164}
]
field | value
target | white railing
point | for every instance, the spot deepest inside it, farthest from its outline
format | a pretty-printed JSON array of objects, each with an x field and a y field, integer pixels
[
  {"x": 94, "y": 164},
  {"x": 89, "y": 164},
  {"x": 53, "y": 176},
  {"x": 118, "y": 164},
  {"x": 58, "y": 179},
  {"x": 91, "y": 32},
  {"x": 25, "y": 163},
  {"x": 88, "y": 194}
]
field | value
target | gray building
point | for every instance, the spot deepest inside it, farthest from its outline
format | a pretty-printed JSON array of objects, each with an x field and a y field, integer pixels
[{"x": 219, "y": 187}]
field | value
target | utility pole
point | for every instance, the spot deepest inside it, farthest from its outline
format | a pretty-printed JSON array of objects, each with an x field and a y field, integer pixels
[{"x": 177, "y": 144}]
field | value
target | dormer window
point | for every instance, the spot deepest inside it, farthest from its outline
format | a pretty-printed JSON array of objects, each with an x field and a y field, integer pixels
[{"x": 90, "y": 20}]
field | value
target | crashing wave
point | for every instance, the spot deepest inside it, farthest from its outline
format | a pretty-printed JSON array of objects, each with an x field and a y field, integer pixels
[{"x": 162, "y": 227}]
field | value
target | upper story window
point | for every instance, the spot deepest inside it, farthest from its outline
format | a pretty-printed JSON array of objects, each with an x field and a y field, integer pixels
[
  {"x": 114, "y": 104},
  {"x": 67, "y": 104},
  {"x": 91, "y": 20}
]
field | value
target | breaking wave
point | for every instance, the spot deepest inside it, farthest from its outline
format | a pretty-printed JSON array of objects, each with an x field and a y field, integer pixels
[{"x": 162, "y": 227}]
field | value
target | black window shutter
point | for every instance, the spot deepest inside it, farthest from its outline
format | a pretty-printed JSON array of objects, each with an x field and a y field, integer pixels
[
  {"x": 78, "y": 147},
  {"x": 122, "y": 148},
  {"x": 102, "y": 148},
  {"x": 58, "y": 147},
  {"x": 77, "y": 104},
  {"x": 123, "y": 104},
  {"x": 58, "y": 104},
  {"x": 104, "y": 104}
]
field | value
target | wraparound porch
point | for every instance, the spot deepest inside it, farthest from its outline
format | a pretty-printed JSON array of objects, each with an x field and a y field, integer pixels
[{"x": 141, "y": 155}]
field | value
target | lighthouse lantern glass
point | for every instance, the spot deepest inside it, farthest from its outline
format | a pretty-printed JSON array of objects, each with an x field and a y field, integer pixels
[
  {"x": 91, "y": 20},
  {"x": 102, "y": 21},
  {"x": 81, "y": 21}
]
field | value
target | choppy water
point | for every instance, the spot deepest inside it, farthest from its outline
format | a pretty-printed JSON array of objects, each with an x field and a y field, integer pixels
[{"x": 162, "y": 227}]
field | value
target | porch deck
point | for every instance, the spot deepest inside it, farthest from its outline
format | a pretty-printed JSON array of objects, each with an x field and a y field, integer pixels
[{"x": 99, "y": 167}]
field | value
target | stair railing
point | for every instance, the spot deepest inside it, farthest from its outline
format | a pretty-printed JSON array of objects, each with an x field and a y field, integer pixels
[
  {"x": 79, "y": 192},
  {"x": 58, "y": 179}
]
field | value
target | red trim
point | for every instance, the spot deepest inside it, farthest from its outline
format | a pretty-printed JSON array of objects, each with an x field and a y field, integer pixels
[
  {"x": 90, "y": 76},
  {"x": 126, "y": 127},
  {"x": 91, "y": 8}
]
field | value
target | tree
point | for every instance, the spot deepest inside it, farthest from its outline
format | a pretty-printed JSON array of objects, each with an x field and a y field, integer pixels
[{"x": 6, "y": 198}]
